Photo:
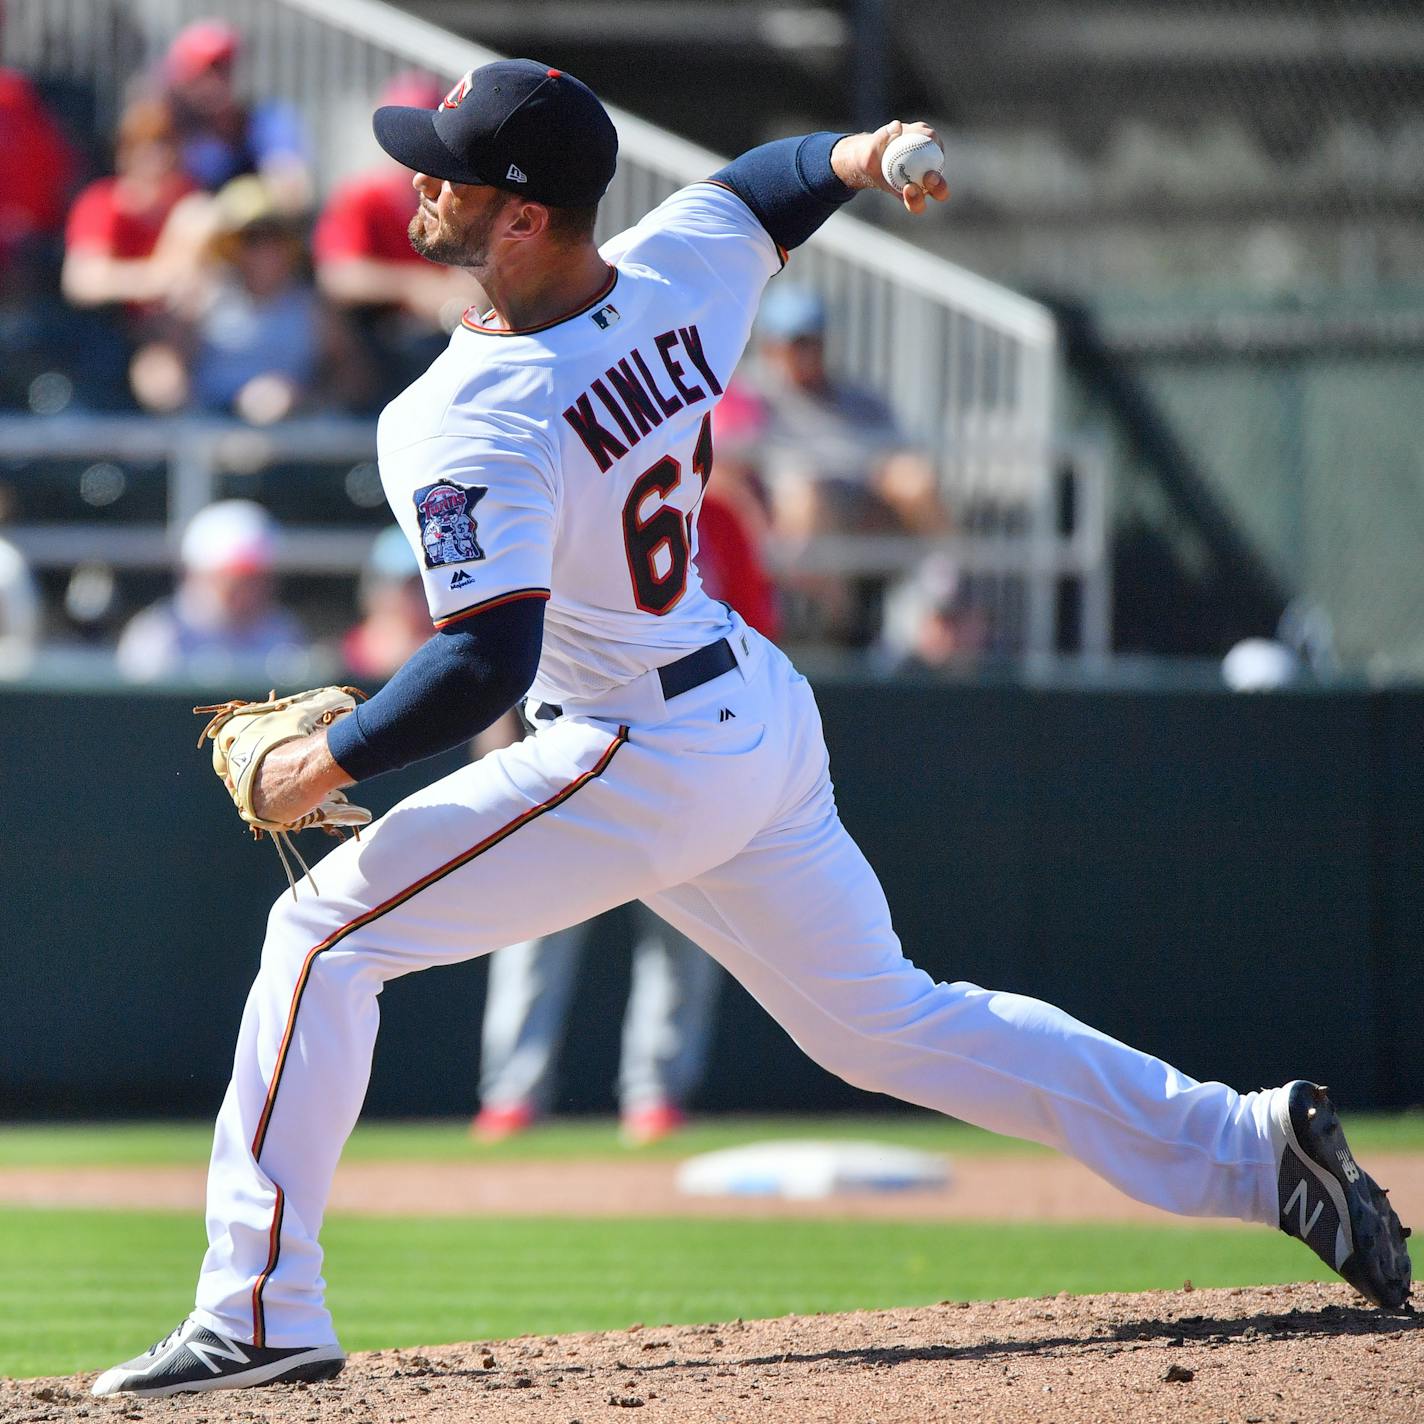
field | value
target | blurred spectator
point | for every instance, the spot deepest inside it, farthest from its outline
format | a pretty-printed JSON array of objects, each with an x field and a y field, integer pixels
[
  {"x": 37, "y": 169},
  {"x": 404, "y": 307},
  {"x": 734, "y": 517},
  {"x": 930, "y": 622},
  {"x": 44, "y": 357},
  {"x": 258, "y": 341},
  {"x": 115, "y": 224},
  {"x": 395, "y": 619},
  {"x": 666, "y": 1029},
  {"x": 19, "y": 604},
  {"x": 223, "y": 622},
  {"x": 835, "y": 457},
  {"x": 221, "y": 136}
]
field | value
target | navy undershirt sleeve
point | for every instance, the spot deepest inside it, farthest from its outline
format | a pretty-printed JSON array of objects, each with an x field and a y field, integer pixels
[
  {"x": 448, "y": 690},
  {"x": 789, "y": 185}
]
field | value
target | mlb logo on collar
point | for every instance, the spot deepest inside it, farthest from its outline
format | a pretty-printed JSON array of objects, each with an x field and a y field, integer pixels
[{"x": 605, "y": 316}]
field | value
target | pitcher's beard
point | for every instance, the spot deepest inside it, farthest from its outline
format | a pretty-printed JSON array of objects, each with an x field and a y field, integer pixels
[{"x": 469, "y": 249}]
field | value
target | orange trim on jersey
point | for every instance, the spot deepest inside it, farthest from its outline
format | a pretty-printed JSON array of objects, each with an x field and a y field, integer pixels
[
  {"x": 782, "y": 252},
  {"x": 274, "y": 1248},
  {"x": 543, "y": 326},
  {"x": 495, "y": 602},
  {"x": 399, "y": 898}
]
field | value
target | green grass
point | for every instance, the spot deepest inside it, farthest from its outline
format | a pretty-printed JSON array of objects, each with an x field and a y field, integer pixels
[
  {"x": 443, "y": 1140},
  {"x": 82, "y": 1290},
  {"x": 99, "y": 1144}
]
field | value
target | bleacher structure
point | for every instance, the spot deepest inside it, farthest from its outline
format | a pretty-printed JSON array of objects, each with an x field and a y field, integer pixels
[{"x": 969, "y": 366}]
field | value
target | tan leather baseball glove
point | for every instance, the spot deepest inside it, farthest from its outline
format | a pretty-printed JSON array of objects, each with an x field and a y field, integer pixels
[{"x": 242, "y": 733}]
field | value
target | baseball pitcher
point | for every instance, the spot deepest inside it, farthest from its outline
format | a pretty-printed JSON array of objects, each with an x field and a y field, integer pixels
[{"x": 547, "y": 470}]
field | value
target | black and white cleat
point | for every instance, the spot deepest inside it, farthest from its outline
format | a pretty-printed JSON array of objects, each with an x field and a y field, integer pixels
[
  {"x": 1333, "y": 1204},
  {"x": 193, "y": 1358}
]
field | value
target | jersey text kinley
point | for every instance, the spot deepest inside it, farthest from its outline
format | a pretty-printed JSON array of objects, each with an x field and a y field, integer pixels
[{"x": 632, "y": 396}]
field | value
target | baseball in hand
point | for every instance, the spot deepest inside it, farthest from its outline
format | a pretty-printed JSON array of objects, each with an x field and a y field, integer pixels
[{"x": 911, "y": 158}]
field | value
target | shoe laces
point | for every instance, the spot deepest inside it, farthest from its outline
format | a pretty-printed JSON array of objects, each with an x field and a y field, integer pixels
[{"x": 163, "y": 1343}]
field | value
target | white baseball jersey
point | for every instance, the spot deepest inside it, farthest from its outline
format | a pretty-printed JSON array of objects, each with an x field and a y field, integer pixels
[{"x": 567, "y": 461}]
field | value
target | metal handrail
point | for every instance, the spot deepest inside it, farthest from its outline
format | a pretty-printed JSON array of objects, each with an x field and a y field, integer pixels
[{"x": 197, "y": 451}]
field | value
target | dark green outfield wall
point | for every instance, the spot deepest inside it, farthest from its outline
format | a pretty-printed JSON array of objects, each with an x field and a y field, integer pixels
[{"x": 1233, "y": 883}]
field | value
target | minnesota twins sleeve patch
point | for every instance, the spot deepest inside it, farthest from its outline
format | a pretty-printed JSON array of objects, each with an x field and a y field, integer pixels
[{"x": 447, "y": 522}]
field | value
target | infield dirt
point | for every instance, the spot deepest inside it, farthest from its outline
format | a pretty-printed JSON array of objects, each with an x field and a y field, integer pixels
[
  {"x": 1046, "y": 1188},
  {"x": 1308, "y": 1353}
]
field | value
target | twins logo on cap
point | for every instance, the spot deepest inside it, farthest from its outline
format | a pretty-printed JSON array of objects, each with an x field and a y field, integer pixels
[{"x": 462, "y": 87}]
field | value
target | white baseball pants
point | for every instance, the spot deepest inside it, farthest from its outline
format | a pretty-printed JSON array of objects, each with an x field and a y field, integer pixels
[{"x": 716, "y": 809}]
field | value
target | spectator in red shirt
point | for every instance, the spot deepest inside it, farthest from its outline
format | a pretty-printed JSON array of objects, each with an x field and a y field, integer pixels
[
  {"x": 733, "y": 519},
  {"x": 37, "y": 168},
  {"x": 115, "y": 224},
  {"x": 404, "y": 307}
]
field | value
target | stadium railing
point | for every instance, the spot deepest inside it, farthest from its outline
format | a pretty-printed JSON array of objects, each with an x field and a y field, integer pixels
[
  {"x": 118, "y": 490},
  {"x": 969, "y": 366}
]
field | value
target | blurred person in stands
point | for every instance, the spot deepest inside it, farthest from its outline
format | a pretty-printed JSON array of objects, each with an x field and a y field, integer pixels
[
  {"x": 835, "y": 456},
  {"x": 37, "y": 168},
  {"x": 221, "y": 136},
  {"x": 112, "y": 237},
  {"x": 666, "y": 1029},
  {"x": 836, "y": 462},
  {"x": 403, "y": 307},
  {"x": 223, "y": 621},
  {"x": 735, "y": 516},
  {"x": 395, "y": 619},
  {"x": 250, "y": 336},
  {"x": 20, "y": 615},
  {"x": 930, "y": 621}
]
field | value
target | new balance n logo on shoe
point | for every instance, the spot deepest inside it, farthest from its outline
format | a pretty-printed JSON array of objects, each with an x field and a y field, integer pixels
[
  {"x": 516, "y": 175},
  {"x": 214, "y": 1344},
  {"x": 1299, "y": 1200},
  {"x": 193, "y": 1359}
]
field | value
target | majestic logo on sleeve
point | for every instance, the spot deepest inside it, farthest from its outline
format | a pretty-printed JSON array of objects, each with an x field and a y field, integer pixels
[{"x": 447, "y": 527}]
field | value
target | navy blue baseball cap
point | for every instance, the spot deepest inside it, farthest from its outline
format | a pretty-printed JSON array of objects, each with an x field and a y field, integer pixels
[{"x": 514, "y": 124}]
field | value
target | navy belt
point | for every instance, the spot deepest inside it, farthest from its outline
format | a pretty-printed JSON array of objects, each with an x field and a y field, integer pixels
[
  {"x": 678, "y": 677},
  {"x": 697, "y": 668}
]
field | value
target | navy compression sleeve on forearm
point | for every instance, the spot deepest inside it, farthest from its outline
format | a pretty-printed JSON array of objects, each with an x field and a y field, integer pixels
[
  {"x": 789, "y": 185},
  {"x": 446, "y": 691}
]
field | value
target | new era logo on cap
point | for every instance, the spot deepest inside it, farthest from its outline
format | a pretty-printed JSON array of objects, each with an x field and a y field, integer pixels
[{"x": 516, "y": 174}]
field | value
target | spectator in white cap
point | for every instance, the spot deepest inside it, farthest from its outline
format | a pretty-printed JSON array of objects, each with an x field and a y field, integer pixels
[{"x": 223, "y": 622}]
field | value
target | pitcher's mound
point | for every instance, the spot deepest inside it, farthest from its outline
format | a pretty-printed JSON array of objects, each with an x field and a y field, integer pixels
[{"x": 1260, "y": 1356}]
